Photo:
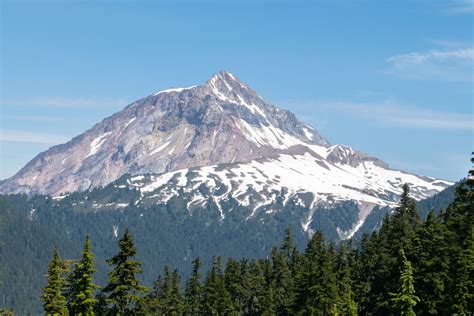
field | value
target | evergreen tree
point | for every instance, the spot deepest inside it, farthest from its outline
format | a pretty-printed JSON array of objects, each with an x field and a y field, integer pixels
[
  {"x": 176, "y": 299},
  {"x": 459, "y": 221},
  {"x": 430, "y": 266},
  {"x": 317, "y": 285},
  {"x": 234, "y": 280},
  {"x": 362, "y": 271},
  {"x": 405, "y": 299},
  {"x": 54, "y": 300},
  {"x": 80, "y": 286},
  {"x": 101, "y": 307},
  {"x": 346, "y": 304},
  {"x": 193, "y": 290},
  {"x": 281, "y": 283},
  {"x": 405, "y": 221},
  {"x": 289, "y": 250},
  {"x": 257, "y": 300},
  {"x": 123, "y": 288},
  {"x": 216, "y": 299}
]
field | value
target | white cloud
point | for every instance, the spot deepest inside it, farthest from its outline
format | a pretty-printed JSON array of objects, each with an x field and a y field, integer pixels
[
  {"x": 459, "y": 7},
  {"x": 451, "y": 43},
  {"x": 18, "y": 136},
  {"x": 419, "y": 58},
  {"x": 452, "y": 65},
  {"x": 388, "y": 112}
]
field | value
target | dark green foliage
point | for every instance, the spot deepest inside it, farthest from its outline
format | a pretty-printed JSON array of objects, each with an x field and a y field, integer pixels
[
  {"x": 405, "y": 299},
  {"x": 215, "y": 298},
  {"x": 124, "y": 289},
  {"x": 409, "y": 267},
  {"x": 193, "y": 292},
  {"x": 166, "y": 298},
  {"x": 430, "y": 268},
  {"x": 235, "y": 281},
  {"x": 316, "y": 284},
  {"x": 80, "y": 286},
  {"x": 459, "y": 219},
  {"x": 54, "y": 300}
]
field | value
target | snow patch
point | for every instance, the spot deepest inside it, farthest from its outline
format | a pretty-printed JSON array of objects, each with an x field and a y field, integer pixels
[
  {"x": 129, "y": 122},
  {"x": 174, "y": 90},
  {"x": 97, "y": 143},
  {"x": 307, "y": 133},
  {"x": 160, "y": 148}
]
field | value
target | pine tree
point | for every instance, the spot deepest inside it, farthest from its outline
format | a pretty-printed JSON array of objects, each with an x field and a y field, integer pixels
[
  {"x": 54, "y": 300},
  {"x": 459, "y": 221},
  {"x": 405, "y": 221},
  {"x": 289, "y": 249},
  {"x": 405, "y": 299},
  {"x": 281, "y": 283},
  {"x": 176, "y": 299},
  {"x": 193, "y": 291},
  {"x": 257, "y": 300},
  {"x": 216, "y": 300},
  {"x": 80, "y": 286},
  {"x": 430, "y": 265},
  {"x": 235, "y": 284},
  {"x": 346, "y": 304},
  {"x": 123, "y": 288},
  {"x": 317, "y": 284}
]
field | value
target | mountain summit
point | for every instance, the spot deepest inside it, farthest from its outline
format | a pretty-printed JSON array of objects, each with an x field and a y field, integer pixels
[
  {"x": 218, "y": 145},
  {"x": 221, "y": 121},
  {"x": 224, "y": 138}
]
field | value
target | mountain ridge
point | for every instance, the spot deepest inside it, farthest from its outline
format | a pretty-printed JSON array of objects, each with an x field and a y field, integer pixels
[{"x": 222, "y": 124}]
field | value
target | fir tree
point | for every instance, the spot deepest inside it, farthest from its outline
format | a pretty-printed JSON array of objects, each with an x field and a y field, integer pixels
[
  {"x": 216, "y": 300},
  {"x": 176, "y": 299},
  {"x": 281, "y": 283},
  {"x": 235, "y": 284},
  {"x": 316, "y": 285},
  {"x": 430, "y": 265},
  {"x": 54, "y": 300},
  {"x": 459, "y": 220},
  {"x": 257, "y": 300},
  {"x": 80, "y": 286},
  {"x": 405, "y": 299},
  {"x": 123, "y": 288},
  {"x": 193, "y": 291},
  {"x": 346, "y": 304}
]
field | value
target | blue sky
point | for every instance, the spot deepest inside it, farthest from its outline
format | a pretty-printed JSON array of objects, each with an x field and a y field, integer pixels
[{"x": 390, "y": 78}]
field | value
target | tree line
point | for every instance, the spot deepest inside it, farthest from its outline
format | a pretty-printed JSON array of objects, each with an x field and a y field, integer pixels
[{"x": 407, "y": 267}]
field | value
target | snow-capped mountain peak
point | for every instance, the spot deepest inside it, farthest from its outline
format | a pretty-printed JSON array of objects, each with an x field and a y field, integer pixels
[{"x": 224, "y": 136}]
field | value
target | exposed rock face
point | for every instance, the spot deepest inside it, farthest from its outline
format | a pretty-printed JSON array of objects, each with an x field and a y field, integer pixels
[
  {"x": 222, "y": 121},
  {"x": 218, "y": 143}
]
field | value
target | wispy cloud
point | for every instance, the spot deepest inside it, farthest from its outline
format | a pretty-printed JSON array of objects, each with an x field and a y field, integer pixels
[
  {"x": 449, "y": 43},
  {"x": 63, "y": 102},
  {"x": 39, "y": 118},
  {"x": 458, "y": 7},
  {"x": 389, "y": 112},
  {"x": 452, "y": 64},
  {"x": 18, "y": 136}
]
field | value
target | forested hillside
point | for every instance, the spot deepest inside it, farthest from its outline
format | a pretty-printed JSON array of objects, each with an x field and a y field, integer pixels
[
  {"x": 409, "y": 267},
  {"x": 42, "y": 228}
]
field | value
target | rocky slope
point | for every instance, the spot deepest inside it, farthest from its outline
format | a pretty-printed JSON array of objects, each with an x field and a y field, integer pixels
[
  {"x": 222, "y": 121},
  {"x": 215, "y": 143}
]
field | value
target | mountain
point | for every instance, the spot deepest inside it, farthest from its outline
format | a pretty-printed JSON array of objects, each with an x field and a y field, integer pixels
[
  {"x": 218, "y": 142},
  {"x": 222, "y": 121},
  {"x": 199, "y": 171}
]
